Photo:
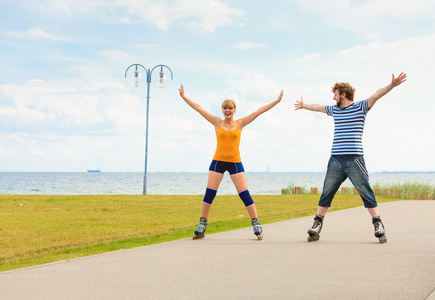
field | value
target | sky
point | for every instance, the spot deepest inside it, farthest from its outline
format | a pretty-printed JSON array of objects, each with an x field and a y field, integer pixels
[{"x": 66, "y": 106}]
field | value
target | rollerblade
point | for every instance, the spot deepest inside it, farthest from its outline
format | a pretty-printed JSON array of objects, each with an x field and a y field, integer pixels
[
  {"x": 379, "y": 229},
  {"x": 200, "y": 230},
  {"x": 258, "y": 230},
  {"x": 314, "y": 232}
]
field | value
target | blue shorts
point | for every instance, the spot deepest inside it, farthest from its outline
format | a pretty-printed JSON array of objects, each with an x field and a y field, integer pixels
[{"x": 223, "y": 166}]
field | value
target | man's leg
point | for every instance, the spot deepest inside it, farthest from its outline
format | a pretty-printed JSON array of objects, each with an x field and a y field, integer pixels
[
  {"x": 358, "y": 175},
  {"x": 373, "y": 211},
  {"x": 322, "y": 210},
  {"x": 357, "y": 172},
  {"x": 335, "y": 176},
  {"x": 333, "y": 179}
]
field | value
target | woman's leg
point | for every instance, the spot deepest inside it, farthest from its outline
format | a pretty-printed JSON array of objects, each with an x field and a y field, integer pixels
[
  {"x": 241, "y": 185},
  {"x": 214, "y": 180}
]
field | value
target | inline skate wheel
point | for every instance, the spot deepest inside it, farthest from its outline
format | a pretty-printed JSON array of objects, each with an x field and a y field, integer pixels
[
  {"x": 383, "y": 239},
  {"x": 313, "y": 238},
  {"x": 198, "y": 236}
]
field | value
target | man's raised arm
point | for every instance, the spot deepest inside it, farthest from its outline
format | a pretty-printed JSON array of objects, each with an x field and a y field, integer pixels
[
  {"x": 313, "y": 107},
  {"x": 383, "y": 91}
]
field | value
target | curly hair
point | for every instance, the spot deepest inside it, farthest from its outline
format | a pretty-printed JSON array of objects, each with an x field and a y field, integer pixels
[{"x": 346, "y": 88}]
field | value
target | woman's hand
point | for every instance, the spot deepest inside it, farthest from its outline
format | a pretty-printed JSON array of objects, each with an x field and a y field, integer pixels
[
  {"x": 280, "y": 96},
  {"x": 181, "y": 89}
]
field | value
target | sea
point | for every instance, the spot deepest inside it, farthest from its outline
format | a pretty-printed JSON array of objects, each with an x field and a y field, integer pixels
[{"x": 176, "y": 183}]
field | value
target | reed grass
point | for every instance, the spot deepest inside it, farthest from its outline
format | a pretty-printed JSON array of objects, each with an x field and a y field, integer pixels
[
  {"x": 403, "y": 186},
  {"x": 38, "y": 229},
  {"x": 292, "y": 185},
  {"x": 416, "y": 186}
]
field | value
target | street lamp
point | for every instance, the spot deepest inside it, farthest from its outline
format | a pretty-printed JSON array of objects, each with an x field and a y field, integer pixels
[{"x": 136, "y": 81}]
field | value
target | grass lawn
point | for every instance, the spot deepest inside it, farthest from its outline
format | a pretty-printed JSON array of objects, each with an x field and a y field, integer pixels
[{"x": 38, "y": 229}]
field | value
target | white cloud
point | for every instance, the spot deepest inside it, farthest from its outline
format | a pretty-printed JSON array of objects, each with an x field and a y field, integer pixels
[
  {"x": 55, "y": 115},
  {"x": 248, "y": 45},
  {"x": 35, "y": 33},
  {"x": 71, "y": 109},
  {"x": 376, "y": 18},
  {"x": 254, "y": 87},
  {"x": 282, "y": 22},
  {"x": 209, "y": 14},
  {"x": 311, "y": 56},
  {"x": 397, "y": 119},
  {"x": 202, "y": 15},
  {"x": 148, "y": 46},
  {"x": 69, "y": 106}
]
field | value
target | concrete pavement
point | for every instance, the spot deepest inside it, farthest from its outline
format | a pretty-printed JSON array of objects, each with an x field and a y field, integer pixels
[{"x": 347, "y": 263}]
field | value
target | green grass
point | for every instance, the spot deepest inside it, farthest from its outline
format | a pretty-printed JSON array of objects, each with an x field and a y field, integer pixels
[{"x": 38, "y": 229}]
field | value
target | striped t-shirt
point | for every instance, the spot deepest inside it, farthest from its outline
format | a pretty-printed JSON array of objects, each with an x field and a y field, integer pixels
[{"x": 349, "y": 127}]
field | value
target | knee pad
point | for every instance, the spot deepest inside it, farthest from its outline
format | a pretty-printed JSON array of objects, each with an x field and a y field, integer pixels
[
  {"x": 246, "y": 198},
  {"x": 209, "y": 196}
]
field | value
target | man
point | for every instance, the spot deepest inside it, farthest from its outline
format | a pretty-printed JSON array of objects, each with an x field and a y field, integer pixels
[{"x": 347, "y": 152}]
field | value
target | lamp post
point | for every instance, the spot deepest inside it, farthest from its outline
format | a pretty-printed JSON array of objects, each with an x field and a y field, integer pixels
[{"x": 136, "y": 81}]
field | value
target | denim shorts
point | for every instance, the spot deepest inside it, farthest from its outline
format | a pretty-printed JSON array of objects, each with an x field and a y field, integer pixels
[
  {"x": 341, "y": 167},
  {"x": 222, "y": 167}
]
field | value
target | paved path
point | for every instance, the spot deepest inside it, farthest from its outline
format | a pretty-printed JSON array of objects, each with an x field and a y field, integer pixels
[{"x": 347, "y": 263}]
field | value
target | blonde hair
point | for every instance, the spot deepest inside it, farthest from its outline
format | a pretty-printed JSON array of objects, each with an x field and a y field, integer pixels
[{"x": 228, "y": 104}]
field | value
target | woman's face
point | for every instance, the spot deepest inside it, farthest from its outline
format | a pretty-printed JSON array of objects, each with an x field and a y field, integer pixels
[{"x": 228, "y": 112}]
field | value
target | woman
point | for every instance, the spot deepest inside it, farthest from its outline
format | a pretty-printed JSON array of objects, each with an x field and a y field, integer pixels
[{"x": 227, "y": 158}]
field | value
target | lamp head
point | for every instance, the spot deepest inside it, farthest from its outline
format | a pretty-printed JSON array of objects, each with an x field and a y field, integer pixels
[
  {"x": 136, "y": 79},
  {"x": 161, "y": 79}
]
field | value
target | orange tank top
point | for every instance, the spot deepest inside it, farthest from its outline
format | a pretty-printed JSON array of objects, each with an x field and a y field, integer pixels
[{"x": 228, "y": 145}]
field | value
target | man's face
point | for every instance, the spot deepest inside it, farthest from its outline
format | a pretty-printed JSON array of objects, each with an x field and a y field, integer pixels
[{"x": 339, "y": 98}]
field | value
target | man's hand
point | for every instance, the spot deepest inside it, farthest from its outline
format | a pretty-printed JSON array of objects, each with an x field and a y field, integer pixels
[
  {"x": 299, "y": 104},
  {"x": 397, "y": 81},
  {"x": 313, "y": 107}
]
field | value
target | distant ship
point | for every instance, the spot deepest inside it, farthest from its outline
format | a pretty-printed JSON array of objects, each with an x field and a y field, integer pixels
[{"x": 95, "y": 171}]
